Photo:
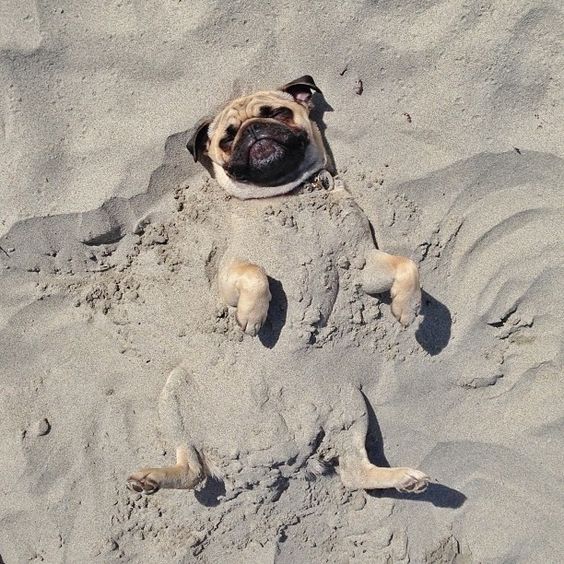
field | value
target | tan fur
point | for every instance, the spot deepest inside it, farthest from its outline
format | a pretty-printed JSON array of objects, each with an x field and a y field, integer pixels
[
  {"x": 400, "y": 276},
  {"x": 245, "y": 109},
  {"x": 245, "y": 286}
]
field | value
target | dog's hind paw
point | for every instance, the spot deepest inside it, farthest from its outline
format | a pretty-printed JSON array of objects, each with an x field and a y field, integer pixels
[
  {"x": 411, "y": 481},
  {"x": 144, "y": 481}
]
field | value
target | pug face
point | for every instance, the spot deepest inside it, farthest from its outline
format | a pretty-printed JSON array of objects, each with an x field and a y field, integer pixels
[{"x": 264, "y": 144}]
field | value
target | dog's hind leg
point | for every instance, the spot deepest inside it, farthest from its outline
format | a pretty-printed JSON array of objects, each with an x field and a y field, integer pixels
[
  {"x": 356, "y": 470},
  {"x": 190, "y": 468},
  {"x": 185, "y": 474},
  {"x": 399, "y": 276}
]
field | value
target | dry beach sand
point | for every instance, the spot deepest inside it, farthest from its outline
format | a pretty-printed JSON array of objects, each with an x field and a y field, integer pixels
[{"x": 108, "y": 236}]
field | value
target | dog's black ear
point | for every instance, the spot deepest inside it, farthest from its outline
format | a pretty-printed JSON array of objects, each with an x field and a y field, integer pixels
[
  {"x": 302, "y": 89},
  {"x": 198, "y": 141}
]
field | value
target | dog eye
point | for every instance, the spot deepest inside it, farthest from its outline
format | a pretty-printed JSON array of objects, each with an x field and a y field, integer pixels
[
  {"x": 282, "y": 113},
  {"x": 227, "y": 139}
]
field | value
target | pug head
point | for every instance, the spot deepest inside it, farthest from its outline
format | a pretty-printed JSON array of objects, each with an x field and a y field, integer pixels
[{"x": 264, "y": 144}]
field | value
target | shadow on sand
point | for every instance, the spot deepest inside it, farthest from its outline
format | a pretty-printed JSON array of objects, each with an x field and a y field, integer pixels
[{"x": 437, "y": 494}]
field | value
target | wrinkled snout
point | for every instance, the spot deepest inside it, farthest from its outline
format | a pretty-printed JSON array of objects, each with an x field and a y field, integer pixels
[{"x": 267, "y": 153}]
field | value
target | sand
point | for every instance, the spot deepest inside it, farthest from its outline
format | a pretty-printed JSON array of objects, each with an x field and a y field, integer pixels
[{"x": 108, "y": 233}]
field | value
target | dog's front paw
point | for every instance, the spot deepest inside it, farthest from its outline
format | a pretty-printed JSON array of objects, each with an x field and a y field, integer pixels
[
  {"x": 245, "y": 286},
  {"x": 406, "y": 293},
  {"x": 411, "y": 481},
  {"x": 252, "y": 309}
]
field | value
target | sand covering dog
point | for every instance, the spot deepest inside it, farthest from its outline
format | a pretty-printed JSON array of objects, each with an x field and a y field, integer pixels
[{"x": 261, "y": 149}]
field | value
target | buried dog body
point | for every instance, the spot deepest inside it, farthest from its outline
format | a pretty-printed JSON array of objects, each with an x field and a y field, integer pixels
[{"x": 262, "y": 149}]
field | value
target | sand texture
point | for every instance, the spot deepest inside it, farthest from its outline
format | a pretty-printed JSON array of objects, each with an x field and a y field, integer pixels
[{"x": 110, "y": 237}]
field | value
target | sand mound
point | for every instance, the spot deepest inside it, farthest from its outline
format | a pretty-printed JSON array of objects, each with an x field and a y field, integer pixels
[{"x": 109, "y": 236}]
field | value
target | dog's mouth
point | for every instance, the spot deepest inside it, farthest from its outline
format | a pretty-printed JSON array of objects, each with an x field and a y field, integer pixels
[{"x": 267, "y": 154}]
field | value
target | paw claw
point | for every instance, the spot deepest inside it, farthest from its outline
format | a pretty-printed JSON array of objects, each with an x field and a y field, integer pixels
[{"x": 248, "y": 327}]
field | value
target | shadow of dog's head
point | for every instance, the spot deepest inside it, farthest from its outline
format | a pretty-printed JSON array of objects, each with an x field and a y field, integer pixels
[{"x": 263, "y": 144}]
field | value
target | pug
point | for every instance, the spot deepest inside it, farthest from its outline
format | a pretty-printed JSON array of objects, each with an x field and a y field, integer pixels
[
  {"x": 265, "y": 145},
  {"x": 313, "y": 240}
]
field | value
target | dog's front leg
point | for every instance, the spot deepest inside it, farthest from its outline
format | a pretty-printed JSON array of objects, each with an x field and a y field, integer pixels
[
  {"x": 244, "y": 285},
  {"x": 400, "y": 276}
]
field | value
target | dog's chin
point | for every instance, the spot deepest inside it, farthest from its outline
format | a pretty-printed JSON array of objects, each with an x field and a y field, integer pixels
[{"x": 281, "y": 179}]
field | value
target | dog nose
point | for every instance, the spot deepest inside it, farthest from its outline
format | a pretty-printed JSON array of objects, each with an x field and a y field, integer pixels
[{"x": 264, "y": 149}]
